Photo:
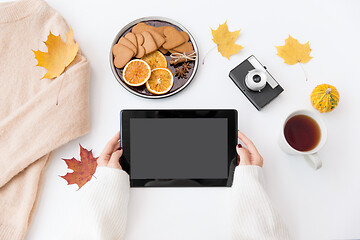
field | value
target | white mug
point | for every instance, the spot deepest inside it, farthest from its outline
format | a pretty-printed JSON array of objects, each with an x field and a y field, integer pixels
[{"x": 310, "y": 156}]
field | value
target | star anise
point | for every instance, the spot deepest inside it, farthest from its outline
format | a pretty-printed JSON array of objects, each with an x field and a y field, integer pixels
[
  {"x": 186, "y": 66},
  {"x": 180, "y": 72}
]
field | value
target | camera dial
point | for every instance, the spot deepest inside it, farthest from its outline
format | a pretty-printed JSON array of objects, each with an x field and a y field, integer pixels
[{"x": 255, "y": 80}]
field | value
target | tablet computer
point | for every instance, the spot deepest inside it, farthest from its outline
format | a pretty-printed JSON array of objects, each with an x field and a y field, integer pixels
[{"x": 179, "y": 148}]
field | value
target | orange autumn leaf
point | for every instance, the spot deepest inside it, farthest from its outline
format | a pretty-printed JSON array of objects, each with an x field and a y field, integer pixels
[
  {"x": 59, "y": 55},
  {"x": 82, "y": 170},
  {"x": 225, "y": 40}
]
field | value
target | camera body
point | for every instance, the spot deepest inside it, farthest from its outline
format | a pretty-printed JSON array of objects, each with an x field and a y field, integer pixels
[{"x": 257, "y": 84}]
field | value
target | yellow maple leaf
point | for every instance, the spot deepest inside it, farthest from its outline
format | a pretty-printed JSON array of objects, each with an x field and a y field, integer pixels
[
  {"x": 225, "y": 40},
  {"x": 293, "y": 52},
  {"x": 59, "y": 54}
]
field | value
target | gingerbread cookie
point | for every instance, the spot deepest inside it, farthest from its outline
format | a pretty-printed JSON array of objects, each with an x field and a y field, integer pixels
[
  {"x": 141, "y": 52},
  {"x": 163, "y": 50},
  {"x": 185, "y": 47},
  {"x": 140, "y": 48},
  {"x": 132, "y": 38},
  {"x": 139, "y": 39},
  {"x": 185, "y": 36},
  {"x": 149, "y": 43},
  {"x": 127, "y": 43},
  {"x": 160, "y": 30},
  {"x": 173, "y": 38},
  {"x": 122, "y": 55},
  {"x": 142, "y": 27},
  {"x": 159, "y": 40}
]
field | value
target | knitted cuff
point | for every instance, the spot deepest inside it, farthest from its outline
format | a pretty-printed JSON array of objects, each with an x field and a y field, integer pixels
[
  {"x": 111, "y": 176},
  {"x": 246, "y": 172},
  {"x": 8, "y": 233}
]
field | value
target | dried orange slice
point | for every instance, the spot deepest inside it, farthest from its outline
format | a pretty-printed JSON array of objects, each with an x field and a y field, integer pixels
[
  {"x": 136, "y": 72},
  {"x": 155, "y": 60},
  {"x": 160, "y": 81}
]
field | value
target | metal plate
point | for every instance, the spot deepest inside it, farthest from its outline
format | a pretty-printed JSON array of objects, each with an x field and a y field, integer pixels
[{"x": 179, "y": 83}]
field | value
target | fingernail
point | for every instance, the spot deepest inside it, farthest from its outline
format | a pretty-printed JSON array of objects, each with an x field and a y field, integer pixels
[{"x": 239, "y": 145}]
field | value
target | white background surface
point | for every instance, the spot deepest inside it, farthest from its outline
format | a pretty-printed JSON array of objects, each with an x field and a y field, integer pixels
[{"x": 315, "y": 205}]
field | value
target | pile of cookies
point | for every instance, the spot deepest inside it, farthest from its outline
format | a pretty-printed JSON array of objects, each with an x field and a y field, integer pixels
[{"x": 144, "y": 39}]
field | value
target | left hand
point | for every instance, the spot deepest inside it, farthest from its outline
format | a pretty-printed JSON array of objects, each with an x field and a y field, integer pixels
[{"x": 110, "y": 156}]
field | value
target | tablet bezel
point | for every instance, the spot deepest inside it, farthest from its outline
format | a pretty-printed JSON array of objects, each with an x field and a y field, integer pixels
[{"x": 229, "y": 114}]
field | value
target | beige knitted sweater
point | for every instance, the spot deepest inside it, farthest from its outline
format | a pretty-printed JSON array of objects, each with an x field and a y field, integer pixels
[{"x": 31, "y": 124}]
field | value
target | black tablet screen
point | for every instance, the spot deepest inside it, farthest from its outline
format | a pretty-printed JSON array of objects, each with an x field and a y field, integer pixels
[{"x": 179, "y": 148}]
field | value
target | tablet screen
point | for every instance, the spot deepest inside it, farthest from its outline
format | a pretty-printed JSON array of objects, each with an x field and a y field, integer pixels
[{"x": 179, "y": 148}]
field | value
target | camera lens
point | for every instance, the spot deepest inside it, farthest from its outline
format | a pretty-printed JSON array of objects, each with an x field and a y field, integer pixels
[{"x": 256, "y": 78}]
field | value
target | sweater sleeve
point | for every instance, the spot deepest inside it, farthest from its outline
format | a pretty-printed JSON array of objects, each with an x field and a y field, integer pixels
[
  {"x": 101, "y": 212},
  {"x": 253, "y": 215},
  {"x": 40, "y": 125}
]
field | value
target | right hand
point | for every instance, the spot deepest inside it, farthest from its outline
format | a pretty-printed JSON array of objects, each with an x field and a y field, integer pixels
[{"x": 248, "y": 155}]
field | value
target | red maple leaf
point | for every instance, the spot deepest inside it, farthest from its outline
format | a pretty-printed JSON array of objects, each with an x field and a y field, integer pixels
[{"x": 82, "y": 170}]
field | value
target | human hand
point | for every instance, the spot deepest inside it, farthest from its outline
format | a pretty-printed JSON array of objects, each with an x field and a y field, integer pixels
[
  {"x": 248, "y": 155},
  {"x": 110, "y": 156}
]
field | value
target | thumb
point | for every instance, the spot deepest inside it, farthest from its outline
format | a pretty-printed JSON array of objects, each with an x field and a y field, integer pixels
[
  {"x": 114, "y": 161},
  {"x": 243, "y": 155}
]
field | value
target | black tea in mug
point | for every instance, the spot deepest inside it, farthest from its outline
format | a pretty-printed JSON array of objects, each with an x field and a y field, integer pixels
[{"x": 302, "y": 133}]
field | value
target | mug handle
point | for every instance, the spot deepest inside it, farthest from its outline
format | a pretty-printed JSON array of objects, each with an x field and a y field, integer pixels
[{"x": 313, "y": 160}]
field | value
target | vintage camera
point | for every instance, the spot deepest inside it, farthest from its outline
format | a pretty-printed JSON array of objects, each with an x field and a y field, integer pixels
[{"x": 257, "y": 84}]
